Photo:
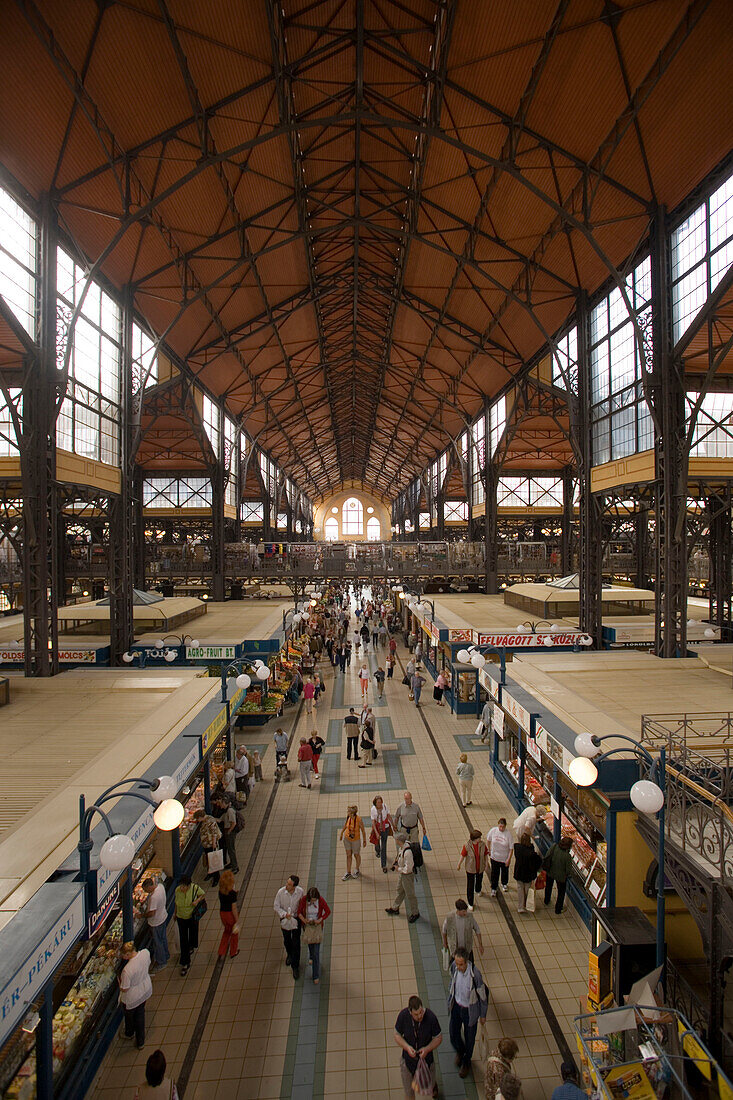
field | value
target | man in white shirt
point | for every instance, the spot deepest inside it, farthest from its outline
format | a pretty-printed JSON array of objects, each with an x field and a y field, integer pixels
[
  {"x": 241, "y": 771},
  {"x": 286, "y": 908},
  {"x": 528, "y": 821},
  {"x": 406, "y": 886},
  {"x": 500, "y": 843},
  {"x": 157, "y": 918}
]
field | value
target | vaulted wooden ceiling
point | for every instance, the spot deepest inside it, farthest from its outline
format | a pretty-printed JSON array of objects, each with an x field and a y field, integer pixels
[{"x": 354, "y": 218}]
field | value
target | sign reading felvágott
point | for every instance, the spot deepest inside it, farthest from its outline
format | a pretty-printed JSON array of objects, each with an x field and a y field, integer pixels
[
  {"x": 211, "y": 652},
  {"x": 31, "y": 976},
  {"x": 526, "y": 641}
]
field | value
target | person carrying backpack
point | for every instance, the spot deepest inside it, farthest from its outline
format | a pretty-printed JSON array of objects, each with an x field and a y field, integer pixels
[{"x": 405, "y": 865}]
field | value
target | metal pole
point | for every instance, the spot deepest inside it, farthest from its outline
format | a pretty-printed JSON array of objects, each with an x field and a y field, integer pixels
[
  {"x": 128, "y": 913},
  {"x": 44, "y": 1045},
  {"x": 660, "y": 871}
]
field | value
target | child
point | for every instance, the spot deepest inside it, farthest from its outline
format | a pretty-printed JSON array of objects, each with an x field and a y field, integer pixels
[{"x": 257, "y": 761}]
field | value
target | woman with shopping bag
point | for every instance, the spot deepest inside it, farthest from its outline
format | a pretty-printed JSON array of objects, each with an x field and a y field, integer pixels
[
  {"x": 229, "y": 914},
  {"x": 382, "y": 827},
  {"x": 313, "y": 910},
  {"x": 527, "y": 862}
]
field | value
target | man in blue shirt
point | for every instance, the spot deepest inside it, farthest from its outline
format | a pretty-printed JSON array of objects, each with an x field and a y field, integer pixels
[{"x": 569, "y": 1090}]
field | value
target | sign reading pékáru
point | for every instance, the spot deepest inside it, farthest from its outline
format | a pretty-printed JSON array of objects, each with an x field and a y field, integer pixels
[{"x": 211, "y": 652}]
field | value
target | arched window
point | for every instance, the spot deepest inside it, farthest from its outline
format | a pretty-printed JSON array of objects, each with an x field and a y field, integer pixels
[
  {"x": 331, "y": 529},
  {"x": 374, "y": 529},
  {"x": 352, "y": 518}
]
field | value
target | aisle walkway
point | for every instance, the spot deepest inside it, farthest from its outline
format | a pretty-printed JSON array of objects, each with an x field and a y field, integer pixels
[{"x": 246, "y": 1029}]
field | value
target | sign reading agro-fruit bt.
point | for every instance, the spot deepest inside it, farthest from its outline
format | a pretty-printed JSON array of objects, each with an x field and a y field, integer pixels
[{"x": 211, "y": 652}]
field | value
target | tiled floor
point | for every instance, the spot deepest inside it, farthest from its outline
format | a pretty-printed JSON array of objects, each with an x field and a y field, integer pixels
[{"x": 263, "y": 1035}]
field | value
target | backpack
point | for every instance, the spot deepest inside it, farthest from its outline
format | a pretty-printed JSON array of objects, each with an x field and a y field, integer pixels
[{"x": 416, "y": 854}]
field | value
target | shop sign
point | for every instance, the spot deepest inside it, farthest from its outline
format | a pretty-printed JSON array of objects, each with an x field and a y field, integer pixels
[
  {"x": 432, "y": 630},
  {"x": 488, "y": 683},
  {"x": 189, "y": 765},
  {"x": 540, "y": 736},
  {"x": 520, "y": 715},
  {"x": 526, "y": 641},
  {"x": 456, "y": 634},
  {"x": 211, "y": 652},
  {"x": 100, "y": 914},
  {"x": 33, "y": 973},
  {"x": 66, "y": 656},
  {"x": 212, "y": 731},
  {"x": 497, "y": 721},
  {"x": 534, "y": 750}
]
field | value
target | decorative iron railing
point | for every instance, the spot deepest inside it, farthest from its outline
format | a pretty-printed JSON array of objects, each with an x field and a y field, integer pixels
[{"x": 681, "y": 996}]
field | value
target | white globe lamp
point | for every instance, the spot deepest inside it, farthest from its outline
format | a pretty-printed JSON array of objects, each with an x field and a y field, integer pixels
[
  {"x": 170, "y": 655},
  {"x": 117, "y": 852},
  {"x": 169, "y": 815},
  {"x": 159, "y": 643},
  {"x": 127, "y": 658},
  {"x": 262, "y": 673},
  {"x": 478, "y": 660},
  {"x": 243, "y": 681},
  {"x": 709, "y": 633},
  {"x": 583, "y": 771},
  {"x": 463, "y": 656},
  {"x": 166, "y": 788},
  {"x": 584, "y": 745},
  {"x": 548, "y": 642},
  {"x": 647, "y": 797},
  {"x": 194, "y": 643}
]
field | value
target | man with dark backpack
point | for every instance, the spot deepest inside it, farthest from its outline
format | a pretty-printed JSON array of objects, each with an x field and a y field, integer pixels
[{"x": 405, "y": 865}]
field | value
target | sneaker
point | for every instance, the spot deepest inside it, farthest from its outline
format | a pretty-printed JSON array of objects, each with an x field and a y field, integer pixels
[
  {"x": 504, "y": 887},
  {"x": 470, "y": 909},
  {"x": 356, "y": 874},
  {"x": 493, "y": 893},
  {"x": 413, "y": 918},
  {"x": 346, "y": 877},
  {"x": 184, "y": 971},
  {"x": 477, "y": 893},
  {"x": 392, "y": 912},
  {"x": 362, "y": 765}
]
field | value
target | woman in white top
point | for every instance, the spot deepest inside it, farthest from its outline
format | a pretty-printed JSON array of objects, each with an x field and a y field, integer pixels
[
  {"x": 382, "y": 827},
  {"x": 364, "y": 677},
  {"x": 500, "y": 843},
  {"x": 135, "y": 988}
]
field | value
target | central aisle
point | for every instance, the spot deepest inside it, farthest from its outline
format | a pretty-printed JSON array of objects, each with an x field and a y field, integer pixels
[{"x": 247, "y": 1030}]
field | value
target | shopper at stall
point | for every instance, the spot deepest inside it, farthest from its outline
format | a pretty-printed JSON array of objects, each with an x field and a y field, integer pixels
[
  {"x": 500, "y": 844},
  {"x": 156, "y": 915},
  {"x": 486, "y": 719},
  {"x": 459, "y": 930},
  {"x": 405, "y": 867},
  {"x": 229, "y": 914},
  {"x": 382, "y": 827},
  {"x": 465, "y": 773},
  {"x": 187, "y": 896},
  {"x": 135, "y": 989},
  {"x": 286, "y": 905},
  {"x": 317, "y": 745},
  {"x": 313, "y": 910},
  {"x": 305, "y": 763},
  {"x": 527, "y": 862},
  {"x": 353, "y": 836},
  {"x": 417, "y": 1032},
  {"x": 408, "y": 816},
  {"x": 528, "y": 821},
  {"x": 498, "y": 1064},
  {"x": 229, "y": 779},
  {"x": 156, "y": 1085},
  {"x": 226, "y": 817},
  {"x": 441, "y": 684},
  {"x": 351, "y": 730},
  {"x": 558, "y": 864},
  {"x": 474, "y": 852},
  {"x": 210, "y": 835},
  {"x": 241, "y": 771},
  {"x": 468, "y": 1001},
  {"x": 416, "y": 685},
  {"x": 569, "y": 1089}
]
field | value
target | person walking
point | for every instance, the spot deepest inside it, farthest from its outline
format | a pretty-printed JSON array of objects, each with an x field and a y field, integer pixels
[
  {"x": 210, "y": 835},
  {"x": 527, "y": 862},
  {"x": 186, "y": 897},
  {"x": 389, "y": 663},
  {"x": 309, "y": 694},
  {"x": 441, "y": 684},
  {"x": 379, "y": 677},
  {"x": 498, "y": 1064},
  {"x": 351, "y": 729},
  {"x": 417, "y": 1033},
  {"x": 500, "y": 844},
  {"x": 353, "y": 836},
  {"x": 382, "y": 634},
  {"x": 393, "y": 648},
  {"x": 558, "y": 864},
  {"x": 156, "y": 914},
  {"x": 405, "y": 865},
  {"x": 486, "y": 714},
  {"x": 367, "y": 744},
  {"x": 317, "y": 745},
  {"x": 418, "y": 652},
  {"x": 229, "y": 914},
  {"x": 313, "y": 910},
  {"x": 465, "y": 773},
  {"x": 569, "y": 1089},
  {"x": 468, "y": 1000},
  {"x": 305, "y": 763},
  {"x": 416, "y": 684},
  {"x": 281, "y": 748},
  {"x": 408, "y": 816},
  {"x": 382, "y": 827},
  {"x": 459, "y": 930},
  {"x": 375, "y": 633},
  {"x": 364, "y": 677},
  {"x": 286, "y": 905},
  {"x": 342, "y": 653},
  {"x": 135, "y": 989},
  {"x": 156, "y": 1085},
  {"x": 365, "y": 634},
  {"x": 475, "y": 854}
]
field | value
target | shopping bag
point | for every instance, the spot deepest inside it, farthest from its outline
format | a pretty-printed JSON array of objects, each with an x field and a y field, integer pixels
[
  {"x": 215, "y": 861},
  {"x": 446, "y": 959},
  {"x": 541, "y": 881},
  {"x": 426, "y": 846},
  {"x": 422, "y": 1082},
  {"x": 479, "y": 729},
  {"x": 530, "y": 900}
]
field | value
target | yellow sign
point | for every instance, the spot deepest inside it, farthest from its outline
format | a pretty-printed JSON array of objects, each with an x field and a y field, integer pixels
[
  {"x": 630, "y": 1083},
  {"x": 692, "y": 1048},
  {"x": 212, "y": 731},
  {"x": 725, "y": 1092}
]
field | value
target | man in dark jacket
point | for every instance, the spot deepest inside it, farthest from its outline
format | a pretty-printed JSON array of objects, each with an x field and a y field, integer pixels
[{"x": 527, "y": 862}]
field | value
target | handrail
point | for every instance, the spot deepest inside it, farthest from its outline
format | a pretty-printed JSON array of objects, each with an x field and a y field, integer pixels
[{"x": 714, "y": 803}]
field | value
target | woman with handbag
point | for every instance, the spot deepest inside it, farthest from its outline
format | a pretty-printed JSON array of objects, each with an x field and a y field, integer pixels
[
  {"x": 475, "y": 854},
  {"x": 382, "y": 827},
  {"x": 313, "y": 910},
  {"x": 188, "y": 897},
  {"x": 527, "y": 862},
  {"x": 229, "y": 914},
  {"x": 367, "y": 745}
]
